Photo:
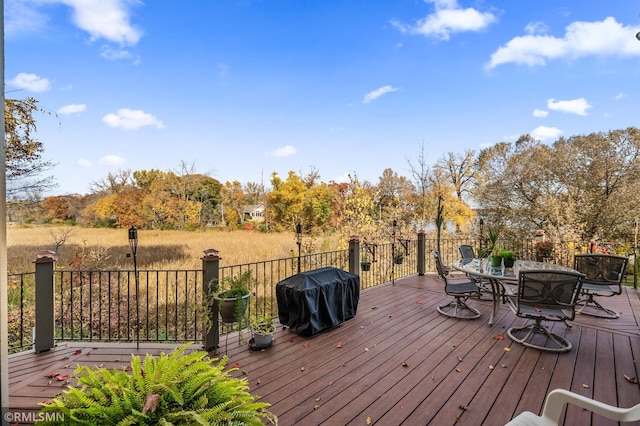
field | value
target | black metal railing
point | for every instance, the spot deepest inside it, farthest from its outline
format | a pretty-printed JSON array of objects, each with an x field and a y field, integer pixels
[{"x": 101, "y": 305}]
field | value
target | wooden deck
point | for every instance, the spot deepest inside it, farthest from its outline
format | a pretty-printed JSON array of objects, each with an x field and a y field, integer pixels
[{"x": 399, "y": 362}]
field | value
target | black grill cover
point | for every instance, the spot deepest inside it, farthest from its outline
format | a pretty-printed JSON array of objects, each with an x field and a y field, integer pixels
[{"x": 313, "y": 301}]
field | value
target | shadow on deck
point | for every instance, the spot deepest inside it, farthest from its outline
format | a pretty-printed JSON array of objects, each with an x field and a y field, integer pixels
[{"x": 398, "y": 362}]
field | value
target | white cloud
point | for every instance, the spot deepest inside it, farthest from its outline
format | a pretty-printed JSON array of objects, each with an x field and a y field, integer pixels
[
  {"x": 377, "y": 93},
  {"x": 84, "y": 163},
  {"x": 114, "y": 54},
  {"x": 602, "y": 38},
  {"x": 104, "y": 19},
  {"x": 575, "y": 106},
  {"x": 621, "y": 95},
  {"x": 72, "y": 109},
  {"x": 540, "y": 113},
  {"x": 127, "y": 118},
  {"x": 31, "y": 82},
  {"x": 448, "y": 18},
  {"x": 284, "y": 151},
  {"x": 543, "y": 133},
  {"x": 111, "y": 160}
]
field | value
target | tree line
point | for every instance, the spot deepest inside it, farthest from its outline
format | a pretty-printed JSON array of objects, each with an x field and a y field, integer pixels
[{"x": 580, "y": 187}]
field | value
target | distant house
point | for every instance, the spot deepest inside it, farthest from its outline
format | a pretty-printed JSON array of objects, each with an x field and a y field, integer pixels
[{"x": 254, "y": 212}]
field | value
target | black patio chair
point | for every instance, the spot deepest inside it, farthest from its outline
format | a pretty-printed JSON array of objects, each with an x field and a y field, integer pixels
[
  {"x": 468, "y": 254},
  {"x": 460, "y": 289},
  {"x": 544, "y": 295},
  {"x": 603, "y": 278}
]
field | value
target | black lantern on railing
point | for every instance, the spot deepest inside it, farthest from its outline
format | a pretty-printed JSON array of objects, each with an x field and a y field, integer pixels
[
  {"x": 299, "y": 242},
  {"x": 133, "y": 243}
]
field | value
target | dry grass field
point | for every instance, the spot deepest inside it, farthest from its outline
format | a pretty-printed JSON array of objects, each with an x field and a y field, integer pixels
[{"x": 94, "y": 248}]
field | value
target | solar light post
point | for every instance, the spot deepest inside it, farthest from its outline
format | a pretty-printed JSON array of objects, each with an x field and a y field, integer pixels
[
  {"x": 133, "y": 243},
  {"x": 299, "y": 242},
  {"x": 481, "y": 223}
]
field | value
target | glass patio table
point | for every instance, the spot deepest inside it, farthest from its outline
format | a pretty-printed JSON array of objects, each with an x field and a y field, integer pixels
[{"x": 500, "y": 277}]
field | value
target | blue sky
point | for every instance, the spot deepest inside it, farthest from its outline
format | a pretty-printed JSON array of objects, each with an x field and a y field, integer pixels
[{"x": 243, "y": 88}]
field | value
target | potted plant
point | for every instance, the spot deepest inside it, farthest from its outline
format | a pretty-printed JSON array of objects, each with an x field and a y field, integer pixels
[
  {"x": 176, "y": 388},
  {"x": 398, "y": 257},
  {"x": 543, "y": 250},
  {"x": 232, "y": 299},
  {"x": 262, "y": 329},
  {"x": 365, "y": 263},
  {"x": 508, "y": 257},
  {"x": 492, "y": 248}
]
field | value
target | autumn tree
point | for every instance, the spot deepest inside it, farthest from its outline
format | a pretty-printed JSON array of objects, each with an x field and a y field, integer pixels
[
  {"x": 233, "y": 201},
  {"x": 285, "y": 202},
  {"x": 23, "y": 152},
  {"x": 395, "y": 198},
  {"x": 584, "y": 186},
  {"x": 421, "y": 174},
  {"x": 360, "y": 210}
]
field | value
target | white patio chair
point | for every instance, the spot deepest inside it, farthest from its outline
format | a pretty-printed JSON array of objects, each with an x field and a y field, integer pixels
[{"x": 556, "y": 401}]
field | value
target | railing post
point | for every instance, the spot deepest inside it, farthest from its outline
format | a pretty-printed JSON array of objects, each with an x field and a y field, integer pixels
[
  {"x": 422, "y": 251},
  {"x": 45, "y": 319},
  {"x": 354, "y": 255},
  {"x": 211, "y": 278}
]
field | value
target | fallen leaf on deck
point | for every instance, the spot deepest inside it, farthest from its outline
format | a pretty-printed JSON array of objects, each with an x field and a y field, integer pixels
[
  {"x": 507, "y": 349},
  {"x": 405, "y": 364},
  {"x": 306, "y": 345},
  {"x": 150, "y": 403},
  {"x": 585, "y": 386},
  {"x": 258, "y": 382},
  {"x": 631, "y": 379},
  {"x": 236, "y": 364},
  {"x": 463, "y": 407},
  {"x": 315, "y": 407},
  {"x": 374, "y": 307},
  {"x": 368, "y": 420},
  {"x": 458, "y": 370},
  {"x": 330, "y": 382},
  {"x": 62, "y": 377},
  {"x": 502, "y": 365},
  {"x": 318, "y": 399},
  {"x": 459, "y": 359},
  {"x": 339, "y": 345},
  {"x": 301, "y": 368},
  {"x": 366, "y": 349},
  {"x": 419, "y": 302},
  {"x": 491, "y": 367},
  {"x": 499, "y": 336},
  {"x": 77, "y": 352},
  {"x": 52, "y": 375},
  {"x": 127, "y": 368}
]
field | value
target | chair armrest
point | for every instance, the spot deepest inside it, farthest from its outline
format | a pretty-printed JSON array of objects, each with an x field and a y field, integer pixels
[{"x": 559, "y": 397}]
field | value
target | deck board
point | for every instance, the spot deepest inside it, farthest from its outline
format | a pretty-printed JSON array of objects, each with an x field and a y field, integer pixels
[{"x": 397, "y": 362}]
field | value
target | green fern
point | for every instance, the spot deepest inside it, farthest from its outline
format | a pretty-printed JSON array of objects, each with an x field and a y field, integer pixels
[{"x": 190, "y": 389}]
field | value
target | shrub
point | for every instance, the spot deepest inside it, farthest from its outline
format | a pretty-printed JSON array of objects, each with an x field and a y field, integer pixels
[{"x": 176, "y": 389}]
